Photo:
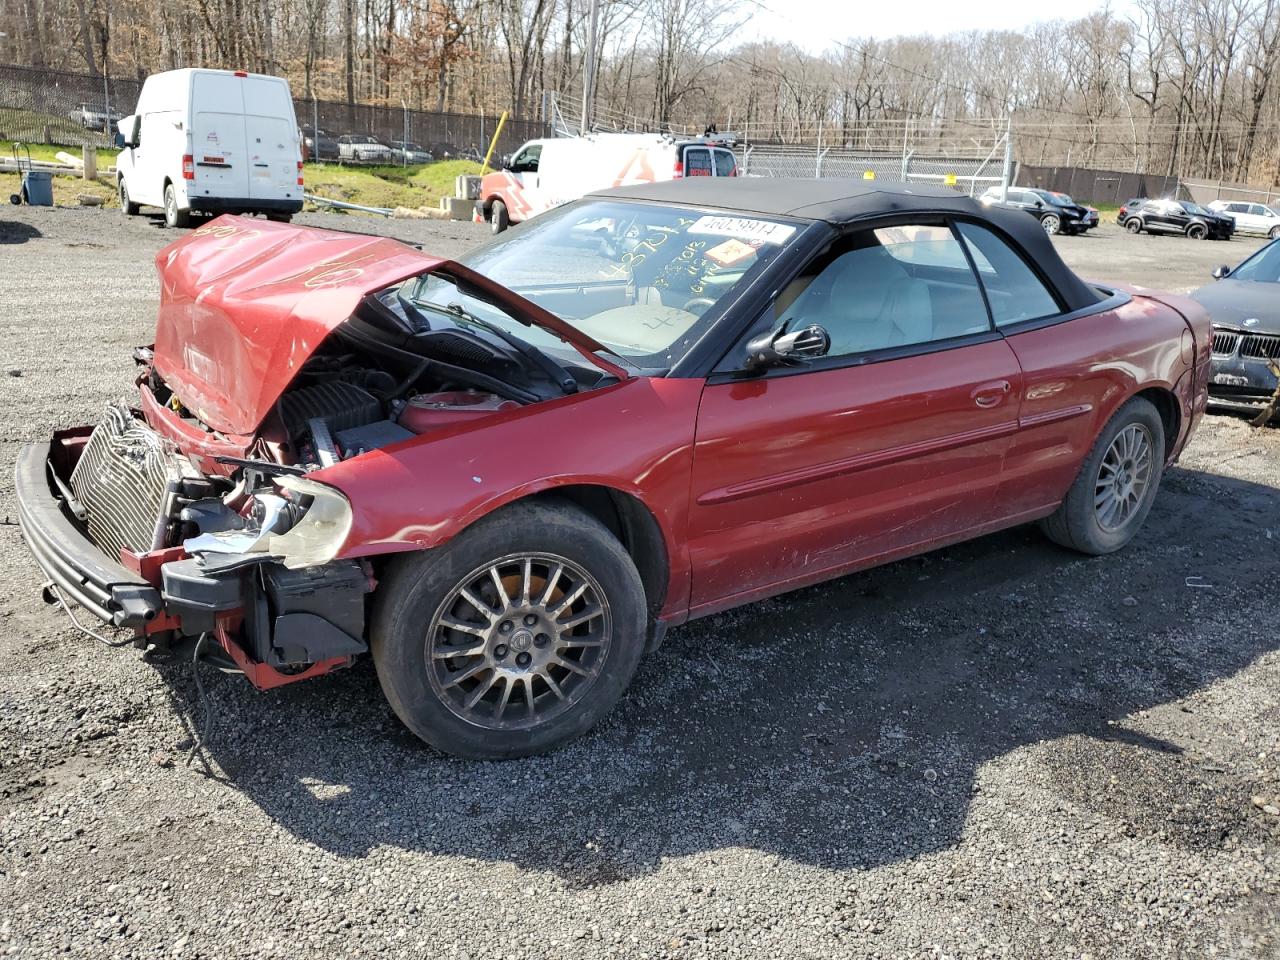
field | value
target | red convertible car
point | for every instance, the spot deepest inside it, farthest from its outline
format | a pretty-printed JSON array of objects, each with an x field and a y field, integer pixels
[{"x": 506, "y": 476}]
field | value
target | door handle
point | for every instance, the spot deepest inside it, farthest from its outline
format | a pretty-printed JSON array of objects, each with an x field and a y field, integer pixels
[{"x": 988, "y": 395}]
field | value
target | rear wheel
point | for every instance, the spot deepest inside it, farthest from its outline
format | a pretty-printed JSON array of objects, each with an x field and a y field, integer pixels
[
  {"x": 1116, "y": 486},
  {"x": 498, "y": 218},
  {"x": 128, "y": 206},
  {"x": 518, "y": 635},
  {"x": 1133, "y": 225},
  {"x": 1197, "y": 231},
  {"x": 1051, "y": 223},
  {"x": 279, "y": 217},
  {"x": 174, "y": 216}
]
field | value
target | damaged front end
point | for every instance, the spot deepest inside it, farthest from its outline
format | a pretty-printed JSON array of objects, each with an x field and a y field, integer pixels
[
  {"x": 202, "y": 511},
  {"x": 126, "y": 527}
]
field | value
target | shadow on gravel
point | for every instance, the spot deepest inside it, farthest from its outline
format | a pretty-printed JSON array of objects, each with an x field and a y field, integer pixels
[
  {"x": 15, "y": 231},
  {"x": 843, "y": 725}
]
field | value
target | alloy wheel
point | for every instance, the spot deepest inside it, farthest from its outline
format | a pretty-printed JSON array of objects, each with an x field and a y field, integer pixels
[
  {"x": 1123, "y": 477},
  {"x": 518, "y": 641},
  {"x": 1051, "y": 224}
]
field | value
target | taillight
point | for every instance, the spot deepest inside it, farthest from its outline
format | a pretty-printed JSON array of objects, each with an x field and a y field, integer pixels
[
  {"x": 679, "y": 171},
  {"x": 241, "y": 73},
  {"x": 188, "y": 167},
  {"x": 299, "y": 173}
]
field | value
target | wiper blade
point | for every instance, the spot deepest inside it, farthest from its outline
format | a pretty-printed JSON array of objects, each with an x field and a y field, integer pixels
[{"x": 455, "y": 311}]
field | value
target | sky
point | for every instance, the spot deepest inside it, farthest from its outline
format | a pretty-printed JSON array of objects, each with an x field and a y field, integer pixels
[{"x": 814, "y": 24}]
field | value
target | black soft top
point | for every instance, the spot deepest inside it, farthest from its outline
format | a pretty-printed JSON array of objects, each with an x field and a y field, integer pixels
[{"x": 841, "y": 202}]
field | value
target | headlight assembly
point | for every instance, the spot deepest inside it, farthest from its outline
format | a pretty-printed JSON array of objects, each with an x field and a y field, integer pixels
[{"x": 320, "y": 532}]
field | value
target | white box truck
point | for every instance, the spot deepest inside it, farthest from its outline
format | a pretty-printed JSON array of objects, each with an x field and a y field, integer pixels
[
  {"x": 211, "y": 141},
  {"x": 543, "y": 174}
]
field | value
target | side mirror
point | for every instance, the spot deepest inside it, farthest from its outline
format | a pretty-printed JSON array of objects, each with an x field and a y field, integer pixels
[
  {"x": 128, "y": 128},
  {"x": 778, "y": 347},
  {"x": 1221, "y": 273},
  {"x": 505, "y": 162},
  {"x": 1039, "y": 204}
]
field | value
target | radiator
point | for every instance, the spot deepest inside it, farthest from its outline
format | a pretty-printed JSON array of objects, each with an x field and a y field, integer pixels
[{"x": 125, "y": 481}]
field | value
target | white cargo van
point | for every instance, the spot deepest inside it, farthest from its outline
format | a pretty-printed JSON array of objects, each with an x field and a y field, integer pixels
[
  {"x": 212, "y": 141},
  {"x": 543, "y": 174}
]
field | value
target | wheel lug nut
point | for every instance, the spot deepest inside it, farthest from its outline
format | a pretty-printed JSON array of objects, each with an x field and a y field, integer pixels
[
  {"x": 541, "y": 640},
  {"x": 530, "y": 620},
  {"x": 506, "y": 626},
  {"x": 523, "y": 660},
  {"x": 500, "y": 650}
]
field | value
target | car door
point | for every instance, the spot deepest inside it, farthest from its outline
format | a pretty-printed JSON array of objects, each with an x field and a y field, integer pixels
[
  {"x": 891, "y": 443},
  {"x": 271, "y": 139},
  {"x": 525, "y": 170},
  {"x": 222, "y": 167}
]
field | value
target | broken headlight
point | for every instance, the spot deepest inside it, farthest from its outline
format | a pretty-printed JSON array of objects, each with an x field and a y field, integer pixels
[{"x": 305, "y": 525}]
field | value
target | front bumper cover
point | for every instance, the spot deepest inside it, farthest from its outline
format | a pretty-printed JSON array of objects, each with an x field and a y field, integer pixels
[{"x": 79, "y": 570}]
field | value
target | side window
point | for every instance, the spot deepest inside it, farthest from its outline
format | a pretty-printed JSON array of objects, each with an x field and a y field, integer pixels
[
  {"x": 697, "y": 162},
  {"x": 725, "y": 164},
  {"x": 526, "y": 161},
  {"x": 1257, "y": 209},
  {"x": 891, "y": 287},
  {"x": 1013, "y": 290}
]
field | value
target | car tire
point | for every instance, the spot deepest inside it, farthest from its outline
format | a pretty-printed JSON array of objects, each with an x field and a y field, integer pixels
[
  {"x": 174, "y": 216},
  {"x": 459, "y": 704},
  {"x": 1275, "y": 233},
  {"x": 1125, "y": 464},
  {"x": 499, "y": 220},
  {"x": 128, "y": 206},
  {"x": 1133, "y": 225},
  {"x": 279, "y": 217},
  {"x": 1051, "y": 224},
  {"x": 1197, "y": 231}
]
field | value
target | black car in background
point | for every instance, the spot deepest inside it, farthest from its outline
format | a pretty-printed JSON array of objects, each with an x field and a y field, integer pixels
[
  {"x": 318, "y": 145},
  {"x": 1175, "y": 216},
  {"x": 1245, "y": 306},
  {"x": 1057, "y": 213}
]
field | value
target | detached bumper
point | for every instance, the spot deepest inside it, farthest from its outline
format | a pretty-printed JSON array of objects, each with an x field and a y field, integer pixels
[{"x": 79, "y": 570}]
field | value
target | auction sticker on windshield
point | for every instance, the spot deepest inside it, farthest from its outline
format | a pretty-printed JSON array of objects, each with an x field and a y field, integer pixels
[{"x": 743, "y": 229}]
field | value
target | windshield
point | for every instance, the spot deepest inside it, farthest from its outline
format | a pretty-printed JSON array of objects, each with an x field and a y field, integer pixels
[
  {"x": 646, "y": 280},
  {"x": 1262, "y": 267},
  {"x": 1195, "y": 208}
]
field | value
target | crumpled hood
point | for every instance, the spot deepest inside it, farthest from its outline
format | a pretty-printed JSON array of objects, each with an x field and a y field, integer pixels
[
  {"x": 1233, "y": 302},
  {"x": 244, "y": 303}
]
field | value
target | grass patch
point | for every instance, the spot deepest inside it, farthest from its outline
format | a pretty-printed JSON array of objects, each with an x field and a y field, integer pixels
[
  {"x": 66, "y": 190},
  {"x": 48, "y": 151},
  {"x": 421, "y": 185}
]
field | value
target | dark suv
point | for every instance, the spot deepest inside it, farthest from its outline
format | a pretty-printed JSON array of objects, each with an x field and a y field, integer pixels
[
  {"x": 1176, "y": 216},
  {"x": 1057, "y": 213}
]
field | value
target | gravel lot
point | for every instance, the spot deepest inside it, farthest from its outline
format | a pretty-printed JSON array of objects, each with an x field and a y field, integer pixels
[{"x": 997, "y": 750}]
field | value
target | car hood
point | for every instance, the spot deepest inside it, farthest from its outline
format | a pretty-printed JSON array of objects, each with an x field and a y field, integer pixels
[
  {"x": 1233, "y": 303},
  {"x": 244, "y": 303}
]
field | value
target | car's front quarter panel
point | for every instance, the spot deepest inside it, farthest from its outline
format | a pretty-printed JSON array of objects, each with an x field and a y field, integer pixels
[
  {"x": 1077, "y": 373},
  {"x": 635, "y": 437}
]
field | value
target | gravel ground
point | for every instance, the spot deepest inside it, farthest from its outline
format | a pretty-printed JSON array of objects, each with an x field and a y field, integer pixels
[{"x": 996, "y": 750}]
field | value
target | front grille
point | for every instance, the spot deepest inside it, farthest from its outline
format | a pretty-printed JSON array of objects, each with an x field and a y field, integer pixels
[
  {"x": 124, "y": 477},
  {"x": 1224, "y": 343},
  {"x": 1263, "y": 346}
]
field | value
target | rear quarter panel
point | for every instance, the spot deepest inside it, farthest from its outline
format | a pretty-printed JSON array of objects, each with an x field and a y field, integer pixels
[
  {"x": 635, "y": 437},
  {"x": 1077, "y": 374}
]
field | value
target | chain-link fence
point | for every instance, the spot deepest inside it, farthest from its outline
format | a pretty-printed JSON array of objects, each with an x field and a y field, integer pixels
[
  {"x": 71, "y": 109},
  {"x": 1206, "y": 191},
  {"x": 970, "y": 175}
]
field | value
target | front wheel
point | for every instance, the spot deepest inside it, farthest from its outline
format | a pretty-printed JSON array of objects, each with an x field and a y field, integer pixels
[
  {"x": 128, "y": 206},
  {"x": 1134, "y": 225},
  {"x": 174, "y": 216},
  {"x": 518, "y": 635},
  {"x": 1275, "y": 233},
  {"x": 1112, "y": 494},
  {"x": 498, "y": 217},
  {"x": 1051, "y": 223},
  {"x": 1197, "y": 231}
]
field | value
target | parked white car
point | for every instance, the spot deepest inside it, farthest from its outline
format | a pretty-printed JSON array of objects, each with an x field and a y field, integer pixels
[
  {"x": 1250, "y": 217},
  {"x": 361, "y": 148},
  {"x": 211, "y": 141}
]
